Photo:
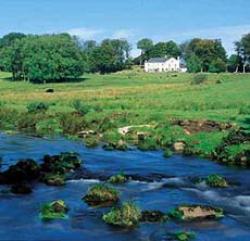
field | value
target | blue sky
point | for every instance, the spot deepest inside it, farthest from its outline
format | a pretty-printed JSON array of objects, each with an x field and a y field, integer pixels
[{"x": 160, "y": 20}]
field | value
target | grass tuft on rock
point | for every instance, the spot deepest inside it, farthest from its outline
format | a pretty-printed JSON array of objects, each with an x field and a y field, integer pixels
[
  {"x": 216, "y": 181},
  {"x": 101, "y": 194},
  {"x": 183, "y": 236},
  {"x": 126, "y": 216},
  {"x": 54, "y": 210},
  {"x": 118, "y": 179}
]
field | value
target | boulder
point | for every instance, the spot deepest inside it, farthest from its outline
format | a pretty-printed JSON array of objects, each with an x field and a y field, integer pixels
[
  {"x": 179, "y": 146},
  {"x": 153, "y": 216},
  {"x": 21, "y": 189},
  {"x": 196, "y": 212}
]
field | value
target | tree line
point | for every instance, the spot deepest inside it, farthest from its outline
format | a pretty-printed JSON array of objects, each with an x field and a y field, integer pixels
[{"x": 61, "y": 57}]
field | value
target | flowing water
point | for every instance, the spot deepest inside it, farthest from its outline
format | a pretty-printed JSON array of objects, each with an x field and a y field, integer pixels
[{"x": 158, "y": 183}]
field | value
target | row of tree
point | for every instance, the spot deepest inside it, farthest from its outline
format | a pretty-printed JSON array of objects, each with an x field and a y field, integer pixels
[
  {"x": 200, "y": 55},
  {"x": 61, "y": 57}
]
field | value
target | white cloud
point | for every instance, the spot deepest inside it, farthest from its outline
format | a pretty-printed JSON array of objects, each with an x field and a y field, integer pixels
[
  {"x": 123, "y": 34},
  {"x": 85, "y": 33}
]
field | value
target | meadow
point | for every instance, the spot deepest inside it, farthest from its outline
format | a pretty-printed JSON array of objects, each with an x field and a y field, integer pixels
[{"x": 133, "y": 97}]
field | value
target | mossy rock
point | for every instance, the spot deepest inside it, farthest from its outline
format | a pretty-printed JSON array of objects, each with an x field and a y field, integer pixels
[
  {"x": 216, "y": 181},
  {"x": 101, "y": 195},
  {"x": 54, "y": 179},
  {"x": 62, "y": 163},
  {"x": 126, "y": 216},
  {"x": 183, "y": 236},
  {"x": 196, "y": 212},
  {"x": 24, "y": 171},
  {"x": 118, "y": 179},
  {"x": 54, "y": 210},
  {"x": 153, "y": 216}
]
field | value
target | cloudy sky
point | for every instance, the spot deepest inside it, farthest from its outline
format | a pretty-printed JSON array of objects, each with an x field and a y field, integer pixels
[{"x": 160, "y": 20}]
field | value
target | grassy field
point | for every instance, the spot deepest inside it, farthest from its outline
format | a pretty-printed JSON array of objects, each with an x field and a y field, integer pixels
[{"x": 136, "y": 98}]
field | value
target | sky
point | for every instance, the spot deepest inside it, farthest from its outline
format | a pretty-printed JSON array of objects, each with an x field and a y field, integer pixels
[{"x": 160, "y": 20}]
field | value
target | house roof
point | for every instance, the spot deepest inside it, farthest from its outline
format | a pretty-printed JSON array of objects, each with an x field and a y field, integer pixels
[{"x": 158, "y": 60}]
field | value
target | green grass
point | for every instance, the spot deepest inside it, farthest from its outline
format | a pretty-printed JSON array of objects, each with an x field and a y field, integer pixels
[{"x": 130, "y": 98}]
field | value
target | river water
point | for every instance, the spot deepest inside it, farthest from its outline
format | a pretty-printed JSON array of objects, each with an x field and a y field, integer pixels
[{"x": 159, "y": 183}]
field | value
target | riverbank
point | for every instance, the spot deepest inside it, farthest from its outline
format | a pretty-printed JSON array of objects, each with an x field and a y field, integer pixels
[{"x": 164, "y": 111}]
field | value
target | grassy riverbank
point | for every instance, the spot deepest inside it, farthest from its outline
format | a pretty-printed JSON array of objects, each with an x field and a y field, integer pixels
[{"x": 108, "y": 102}]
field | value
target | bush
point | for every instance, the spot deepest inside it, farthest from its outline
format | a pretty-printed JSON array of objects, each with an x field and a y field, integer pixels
[
  {"x": 36, "y": 107},
  {"x": 199, "y": 79},
  {"x": 127, "y": 216},
  {"x": 80, "y": 107}
]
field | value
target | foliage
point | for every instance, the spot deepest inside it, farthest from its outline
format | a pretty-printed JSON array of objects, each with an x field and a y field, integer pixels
[
  {"x": 101, "y": 195},
  {"x": 36, "y": 107},
  {"x": 206, "y": 54},
  {"x": 127, "y": 216},
  {"x": 26, "y": 58},
  {"x": 168, "y": 153},
  {"x": 54, "y": 210}
]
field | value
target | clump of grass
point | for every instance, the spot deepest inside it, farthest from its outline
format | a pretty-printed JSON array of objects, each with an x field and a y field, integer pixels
[
  {"x": 37, "y": 107},
  {"x": 49, "y": 126},
  {"x": 118, "y": 179},
  {"x": 54, "y": 210},
  {"x": 127, "y": 216},
  {"x": 199, "y": 79},
  {"x": 167, "y": 153},
  {"x": 215, "y": 180},
  {"x": 101, "y": 194},
  {"x": 80, "y": 107},
  {"x": 183, "y": 236},
  {"x": 52, "y": 179},
  {"x": 244, "y": 110}
]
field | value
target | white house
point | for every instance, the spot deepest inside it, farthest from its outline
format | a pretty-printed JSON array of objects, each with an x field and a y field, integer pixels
[{"x": 165, "y": 65}]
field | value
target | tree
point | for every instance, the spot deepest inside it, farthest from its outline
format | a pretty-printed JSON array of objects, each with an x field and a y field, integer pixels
[
  {"x": 217, "y": 66},
  {"x": 112, "y": 55},
  {"x": 44, "y": 58},
  {"x": 209, "y": 52},
  {"x": 234, "y": 63},
  {"x": 144, "y": 45},
  {"x": 243, "y": 50},
  {"x": 193, "y": 64},
  {"x": 9, "y": 39}
]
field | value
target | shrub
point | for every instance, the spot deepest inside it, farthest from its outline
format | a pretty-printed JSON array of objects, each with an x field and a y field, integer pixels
[
  {"x": 167, "y": 153},
  {"x": 127, "y": 216},
  {"x": 199, "y": 79},
  {"x": 54, "y": 210},
  {"x": 36, "y": 107},
  {"x": 101, "y": 195},
  {"x": 80, "y": 107}
]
